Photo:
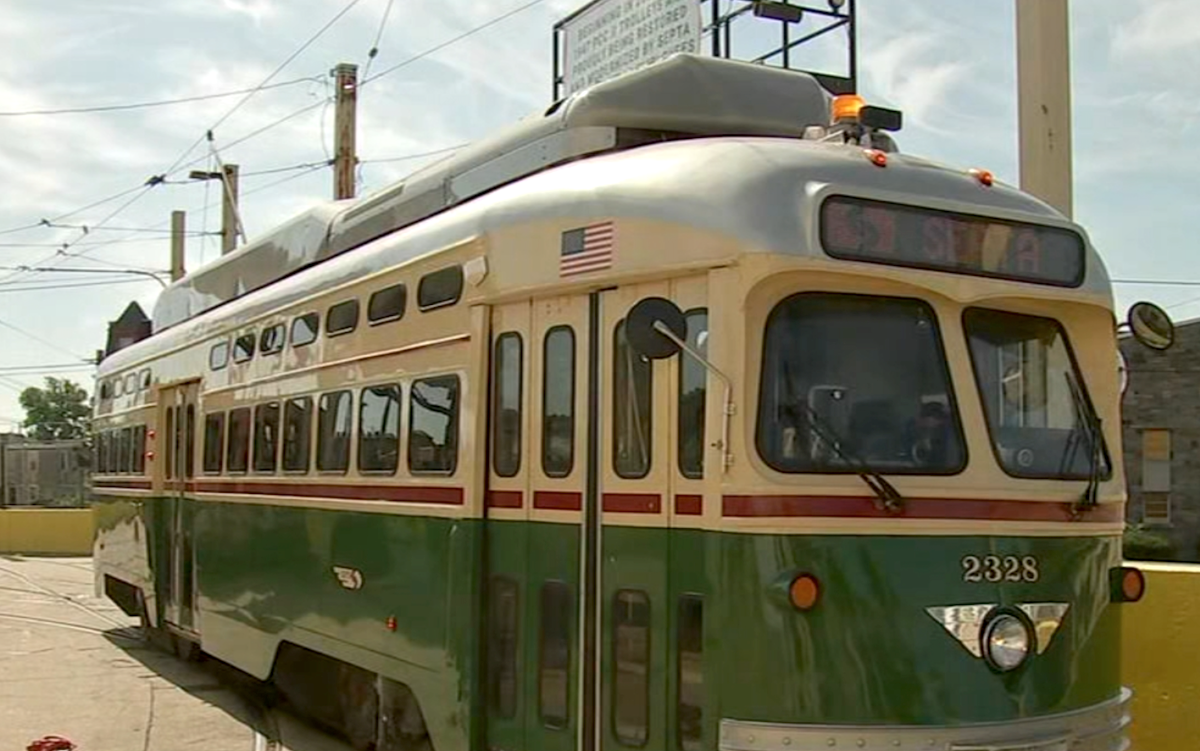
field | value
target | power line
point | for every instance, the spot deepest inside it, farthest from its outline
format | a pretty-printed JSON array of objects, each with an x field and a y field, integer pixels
[
  {"x": 29, "y": 287},
  {"x": 159, "y": 103},
  {"x": 38, "y": 339},
  {"x": 407, "y": 157},
  {"x": 378, "y": 36},
  {"x": 16, "y": 369}
]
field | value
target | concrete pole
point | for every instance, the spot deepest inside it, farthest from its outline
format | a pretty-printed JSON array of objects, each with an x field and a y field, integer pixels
[
  {"x": 231, "y": 223},
  {"x": 1044, "y": 100},
  {"x": 178, "y": 225},
  {"x": 345, "y": 124}
]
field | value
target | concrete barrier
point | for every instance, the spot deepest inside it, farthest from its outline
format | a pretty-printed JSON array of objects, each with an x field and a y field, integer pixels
[
  {"x": 1160, "y": 658},
  {"x": 46, "y": 531}
]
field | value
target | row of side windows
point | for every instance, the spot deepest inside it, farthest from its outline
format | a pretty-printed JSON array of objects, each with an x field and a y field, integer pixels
[
  {"x": 277, "y": 435},
  {"x": 436, "y": 289},
  {"x": 121, "y": 450},
  {"x": 130, "y": 383}
]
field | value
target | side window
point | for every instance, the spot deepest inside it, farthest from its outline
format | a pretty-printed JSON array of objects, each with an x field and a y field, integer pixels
[
  {"x": 387, "y": 304},
  {"x": 266, "y": 436},
  {"x": 379, "y": 428},
  {"x": 554, "y": 655},
  {"x": 631, "y": 667},
  {"x": 214, "y": 442},
  {"x": 693, "y": 384},
  {"x": 271, "y": 340},
  {"x": 144, "y": 379},
  {"x": 433, "y": 425},
  {"x": 218, "y": 356},
  {"x": 632, "y": 379},
  {"x": 126, "y": 459},
  {"x": 237, "y": 458},
  {"x": 304, "y": 329},
  {"x": 558, "y": 402},
  {"x": 139, "y": 449},
  {"x": 131, "y": 383},
  {"x": 441, "y": 287},
  {"x": 502, "y": 647},
  {"x": 342, "y": 318},
  {"x": 333, "y": 431},
  {"x": 243, "y": 347},
  {"x": 297, "y": 434},
  {"x": 168, "y": 444},
  {"x": 690, "y": 680},
  {"x": 506, "y": 415},
  {"x": 189, "y": 442}
]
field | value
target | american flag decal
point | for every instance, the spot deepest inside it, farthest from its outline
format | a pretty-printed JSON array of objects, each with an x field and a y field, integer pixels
[{"x": 586, "y": 249}]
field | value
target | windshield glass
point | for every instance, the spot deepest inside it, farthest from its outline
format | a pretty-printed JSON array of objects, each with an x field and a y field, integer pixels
[
  {"x": 1025, "y": 372},
  {"x": 872, "y": 371}
]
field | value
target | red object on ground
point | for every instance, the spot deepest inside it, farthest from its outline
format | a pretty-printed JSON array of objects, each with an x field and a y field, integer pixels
[{"x": 51, "y": 743}]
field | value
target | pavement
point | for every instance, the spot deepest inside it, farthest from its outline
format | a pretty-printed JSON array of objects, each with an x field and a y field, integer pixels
[{"x": 73, "y": 665}]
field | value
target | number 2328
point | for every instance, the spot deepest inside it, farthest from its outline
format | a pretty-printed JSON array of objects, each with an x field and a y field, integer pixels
[{"x": 996, "y": 568}]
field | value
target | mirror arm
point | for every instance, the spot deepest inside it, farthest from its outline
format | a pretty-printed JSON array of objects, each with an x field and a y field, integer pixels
[{"x": 727, "y": 410}]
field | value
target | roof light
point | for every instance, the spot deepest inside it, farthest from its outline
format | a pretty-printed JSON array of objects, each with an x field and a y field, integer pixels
[
  {"x": 877, "y": 157},
  {"x": 985, "y": 177},
  {"x": 847, "y": 106}
]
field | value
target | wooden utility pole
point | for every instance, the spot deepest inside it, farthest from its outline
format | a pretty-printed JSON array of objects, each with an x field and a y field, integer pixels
[
  {"x": 1044, "y": 100},
  {"x": 345, "y": 158},
  {"x": 231, "y": 223},
  {"x": 178, "y": 225}
]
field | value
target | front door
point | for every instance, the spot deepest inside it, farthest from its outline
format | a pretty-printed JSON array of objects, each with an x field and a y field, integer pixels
[{"x": 177, "y": 415}]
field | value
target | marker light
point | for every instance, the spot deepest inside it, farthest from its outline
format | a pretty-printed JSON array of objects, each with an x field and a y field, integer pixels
[
  {"x": 846, "y": 107},
  {"x": 1006, "y": 642},
  {"x": 804, "y": 591},
  {"x": 983, "y": 176},
  {"x": 150, "y": 434},
  {"x": 877, "y": 157},
  {"x": 1127, "y": 584}
]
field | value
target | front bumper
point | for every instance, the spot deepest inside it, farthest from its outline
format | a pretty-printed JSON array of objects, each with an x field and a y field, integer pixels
[{"x": 1101, "y": 727}]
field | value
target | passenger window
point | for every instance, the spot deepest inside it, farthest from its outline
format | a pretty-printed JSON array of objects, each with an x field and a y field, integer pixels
[
  {"x": 433, "y": 425},
  {"x": 189, "y": 442},
  {"x": 632, "y": 379},
  {"x": 169, "y": 445},
  {"x": 218, "y": 356},
  {"x": 214, "y": 442},
  {"x": 631, "y": 668},
  {"x": 506, "y": 416},
  {"x": 387, "y": 304},
  {"x": 243, "y": 347},
  {"x": 297, "y": 434},
  {"x": 690, "y": 637},
  {"x": 304, "y": 329},
  {"x": 139, "y": 449},
  {"x": 266, "y": 436},
  {"x": 502, "y": 647},
  {"x": 126, "y": 460},
  {"x": 131, "y": 383},
  {"x": 558, "y": 402},
  {"x": 237, "y": 458},
  {"x": 333, "y": 431},
  {"x": 554, "y": 655},
  {"x": 271, "y": 340},
  {"x": 342, "y": 318},
  {"x": 693, "y": 384},
  {"x": 144, "y": 379},
  {"x": 441, "y": 287},
  {"x": 379, "y": 429}
]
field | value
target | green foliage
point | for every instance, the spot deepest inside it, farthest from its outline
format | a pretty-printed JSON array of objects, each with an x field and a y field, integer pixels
[
  {"x": 58, "y": 411},
  {"x": 1143, "y": 545}
]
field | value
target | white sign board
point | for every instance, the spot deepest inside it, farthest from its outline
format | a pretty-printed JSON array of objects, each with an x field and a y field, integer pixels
[{"x": 612, "y": 37}]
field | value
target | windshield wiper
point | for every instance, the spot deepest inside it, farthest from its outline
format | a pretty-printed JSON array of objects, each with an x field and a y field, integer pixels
[
  {"x": 1092, "y": 431},
  {"x": 890, "y": 499}
]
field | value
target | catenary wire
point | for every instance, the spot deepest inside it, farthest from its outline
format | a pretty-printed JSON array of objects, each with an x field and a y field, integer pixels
[{"x": 158, "y": 103}]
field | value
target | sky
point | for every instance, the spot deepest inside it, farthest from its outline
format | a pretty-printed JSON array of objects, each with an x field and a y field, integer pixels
[{"x": 949, "y": 65}]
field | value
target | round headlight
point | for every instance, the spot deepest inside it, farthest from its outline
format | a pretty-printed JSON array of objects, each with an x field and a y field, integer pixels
[{"x": 1006, "y": 642}]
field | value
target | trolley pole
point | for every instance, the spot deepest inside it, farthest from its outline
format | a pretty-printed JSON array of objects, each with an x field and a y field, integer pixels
[
  {"x": 1044, "y": 100},
  {"x": 229, "y": 209},
  {"x": 345, "y": 115},
  {"x": 178, "y": 225}
]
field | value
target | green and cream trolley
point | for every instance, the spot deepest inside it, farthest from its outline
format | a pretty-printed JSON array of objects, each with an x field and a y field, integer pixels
[{"x": 679, "y": 417}]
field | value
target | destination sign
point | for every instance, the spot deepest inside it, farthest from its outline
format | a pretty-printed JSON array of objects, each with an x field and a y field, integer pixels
[{"x": 874, "y": 231}]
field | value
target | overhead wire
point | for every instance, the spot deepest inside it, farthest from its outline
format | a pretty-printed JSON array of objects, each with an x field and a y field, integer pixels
[
  {"x": 378, "y": 37},
  {"x": 157, "y": 103},
  {"x": 38, "y": 339}
]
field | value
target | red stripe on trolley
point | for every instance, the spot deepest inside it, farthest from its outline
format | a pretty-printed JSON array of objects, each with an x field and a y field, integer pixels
[
  {"x": 689, "y": 505},
  {"x": 633, "y": 503},
  {"x": 551, "y": 500},
  {"x": 127, "y": 484},
  {"x": 390, "y": 493},
  {"x": 914, "y": 508},
  {"x": 505, "y": 499}
]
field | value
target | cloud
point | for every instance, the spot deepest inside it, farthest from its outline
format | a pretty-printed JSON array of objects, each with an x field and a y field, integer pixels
[{"x": 1159, "y": 30}]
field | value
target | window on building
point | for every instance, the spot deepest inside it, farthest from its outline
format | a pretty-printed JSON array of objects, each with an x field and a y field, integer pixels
[
  {"x": 237, "y": 458},
  {"x": 297, "y": 434},
  {"x": 554, "y": 655},
  {"x": 333, "y": 431},
  {"x": 690, "y": 679},
  {"x": 218, "y": 356},
  {"x": 631, "y": 667},
  {"x": 506, "y": 415},
  {"x": 441, "y": 287},
  {"x": 271, "y": 339},
  {"x": 502, "y": 647},
  {"x": 305, "y": 328},
  {"x": 387, "y": 304},
  {"x": 214, "y": 442},
  {"x": 1156, "y": 476},
  {"x": 342, "y": 318},
  {"x": 433, "y": 425},
  {"x": 243, "y": 347},
  {"x": 558, "y": 402},
  {"x": 693, "y": 386},
  {"x": 266, "y": 436},
  {"x": 379, "y": 428},
  {"x": 632, "y": 381}
]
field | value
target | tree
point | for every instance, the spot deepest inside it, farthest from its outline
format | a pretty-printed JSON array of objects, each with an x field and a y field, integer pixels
[{"x": 58, "y": 411}]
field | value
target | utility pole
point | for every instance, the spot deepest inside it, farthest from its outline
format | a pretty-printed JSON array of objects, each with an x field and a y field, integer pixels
[
  {"x": 345, "y": 158},
  {"x": 178, "y": 225},
  {"x": 1044, "y": 100},
  {"x": 230, "y": 221}
]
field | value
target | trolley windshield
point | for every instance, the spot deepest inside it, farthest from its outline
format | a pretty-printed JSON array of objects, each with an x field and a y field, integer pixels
[
  {"x": 1036, "y": 405},
  {"x": 850, "y": 378}
]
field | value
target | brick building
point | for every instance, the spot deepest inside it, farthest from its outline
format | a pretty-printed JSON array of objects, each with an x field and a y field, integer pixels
[
  {"x": 42, "y": 473},
  {"x": 1161, "y": 432}
]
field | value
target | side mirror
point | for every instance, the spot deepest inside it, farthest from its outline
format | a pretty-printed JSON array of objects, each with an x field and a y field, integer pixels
[
  {"x": 641, "y": 331},
  {"x": 1151, "y": 326}
]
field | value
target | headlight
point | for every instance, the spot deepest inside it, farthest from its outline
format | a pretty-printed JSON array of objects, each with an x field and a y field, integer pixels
[{"x": 1006, "y": 642}]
